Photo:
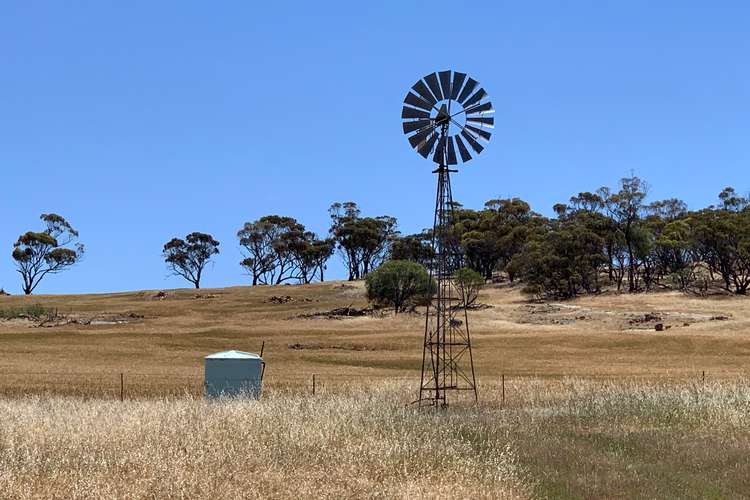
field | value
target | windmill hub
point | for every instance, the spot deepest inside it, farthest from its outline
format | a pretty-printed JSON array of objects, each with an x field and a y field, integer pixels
[{"x": 443, "y": 117}]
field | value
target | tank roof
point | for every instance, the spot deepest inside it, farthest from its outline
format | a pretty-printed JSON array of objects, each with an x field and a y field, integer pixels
[{"x": 233, "y": 355}]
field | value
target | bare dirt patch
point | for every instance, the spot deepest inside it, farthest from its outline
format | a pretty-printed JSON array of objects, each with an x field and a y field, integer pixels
[{"x": 569, "y": 314}]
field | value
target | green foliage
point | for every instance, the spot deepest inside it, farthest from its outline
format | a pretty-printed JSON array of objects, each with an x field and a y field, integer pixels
[
  {"x": 491, "y": 237},
  {"x": 311, "y": 256},
  {"x": 188, "y": 258},
  {"x": 31, "y": 311},
  {"x": 468, "y": 282},
  {"x": 269, "y": 244},
  {"x": 562, "y": 261},
  {"x": 279, "y": 249},
  {"x": 399, "y": 284},
  {"x": 722, "y": 240},
  {"x": 38, "y": 254},
  {"x": 363, "y": 242},
  {"x": 730, "y": 200},
  {"x": 415, "y": 247}
]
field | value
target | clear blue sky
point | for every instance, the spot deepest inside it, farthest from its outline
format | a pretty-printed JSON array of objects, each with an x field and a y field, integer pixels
[{"x": 140, "y": 121}]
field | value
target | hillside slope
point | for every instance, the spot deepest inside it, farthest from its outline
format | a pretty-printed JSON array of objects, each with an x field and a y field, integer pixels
[{"x": 158, "y": 339}]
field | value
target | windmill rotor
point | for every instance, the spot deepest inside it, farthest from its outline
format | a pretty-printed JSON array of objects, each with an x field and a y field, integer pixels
[{"x": 447, "y": 115}]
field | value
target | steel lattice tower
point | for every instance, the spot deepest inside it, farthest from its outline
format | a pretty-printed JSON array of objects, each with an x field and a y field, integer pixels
[{"x": 447, "y": 361}]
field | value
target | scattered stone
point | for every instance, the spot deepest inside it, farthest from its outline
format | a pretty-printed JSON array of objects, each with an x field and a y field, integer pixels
[
  {"x": 279, "y": 299},
  {"x": 719, "y": 317},
  {"x": 659, "y": 327},
  {"x": 299, "y": 347},
  {"x": 646, "y": 318},
  {"x": 339, "y": 313},
  {"x": 206, "y": 296},
  {"x": 478, "y": 307},
  {"x": 284, "y": 299},
  {"x": 3, "y": 292},
  {"x": 160, "y": 295}
]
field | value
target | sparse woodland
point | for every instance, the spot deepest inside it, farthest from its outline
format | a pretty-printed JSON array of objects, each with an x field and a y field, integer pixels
[{"x": 610, "y": 238}]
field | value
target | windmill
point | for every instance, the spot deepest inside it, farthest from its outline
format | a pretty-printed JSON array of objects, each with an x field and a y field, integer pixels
[{"x": 442, "y": 114}]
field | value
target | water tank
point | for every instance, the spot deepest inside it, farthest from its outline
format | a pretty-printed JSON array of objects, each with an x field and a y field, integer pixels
[{"x": 233, "y": 373}]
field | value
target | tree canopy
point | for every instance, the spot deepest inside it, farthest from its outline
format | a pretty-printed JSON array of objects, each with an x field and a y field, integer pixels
[
  {"x": 279, "y": 249},
  {"x": 188, "y": 258},
  {"x": 50, "y": 251},
  {"x": 362, "y": 242}
]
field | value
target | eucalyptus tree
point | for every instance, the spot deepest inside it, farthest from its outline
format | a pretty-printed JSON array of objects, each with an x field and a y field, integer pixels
[
  {"x": 363, "y": 242},
  {"x": 188, "y": 258},
  {"x": 50, "y": 251}
]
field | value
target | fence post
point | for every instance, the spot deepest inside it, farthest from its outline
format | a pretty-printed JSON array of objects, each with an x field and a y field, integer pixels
[
  {"x": 503, "y": 403},
  {"x": 262, "y": 346},
  {"x": 703, "y": 377},
  {"x": 313, "y": 386},
  {"x": 122, "y": 387}
]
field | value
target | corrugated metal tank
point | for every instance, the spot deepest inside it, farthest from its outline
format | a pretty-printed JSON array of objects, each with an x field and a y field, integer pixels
[{"x": 233, "y": 373}]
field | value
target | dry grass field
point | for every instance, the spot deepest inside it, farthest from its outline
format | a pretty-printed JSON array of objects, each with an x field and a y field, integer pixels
[{"x": 597, "y": 403}]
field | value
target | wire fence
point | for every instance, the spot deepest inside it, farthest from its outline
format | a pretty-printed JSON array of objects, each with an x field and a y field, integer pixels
[{"x": 134, "y": 385}]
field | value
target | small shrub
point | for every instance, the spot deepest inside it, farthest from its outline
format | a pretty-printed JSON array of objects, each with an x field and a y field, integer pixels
[
  {"x": 400, "y": 284},
  {"x": 468, "y": 282},
  {"x": 31, "y": 311}
]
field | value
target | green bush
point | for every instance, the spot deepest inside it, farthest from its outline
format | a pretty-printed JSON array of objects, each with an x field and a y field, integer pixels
[
  {"x": 399, "y": 284},
  {"x": 31, "y": 311},
  {"x": 468, "y": 282}
]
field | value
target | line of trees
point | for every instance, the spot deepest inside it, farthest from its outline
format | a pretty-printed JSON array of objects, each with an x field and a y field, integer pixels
[
  {"x": 606, "y": 238},
  {"x": 610, "y": 237},
  {"x": 275, "y": 249}
]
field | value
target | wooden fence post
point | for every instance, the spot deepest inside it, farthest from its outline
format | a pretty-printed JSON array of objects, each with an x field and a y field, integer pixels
[
  {"x": 313, "y": 386},
  {"x": 503, "y": 404},
  {"x": 122, "y": 387}
]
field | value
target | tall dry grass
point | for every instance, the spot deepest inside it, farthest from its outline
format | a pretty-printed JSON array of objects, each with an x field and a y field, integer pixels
[
  {"x": 570, "y": 438},
  {"x": 359, "y": 443}
]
